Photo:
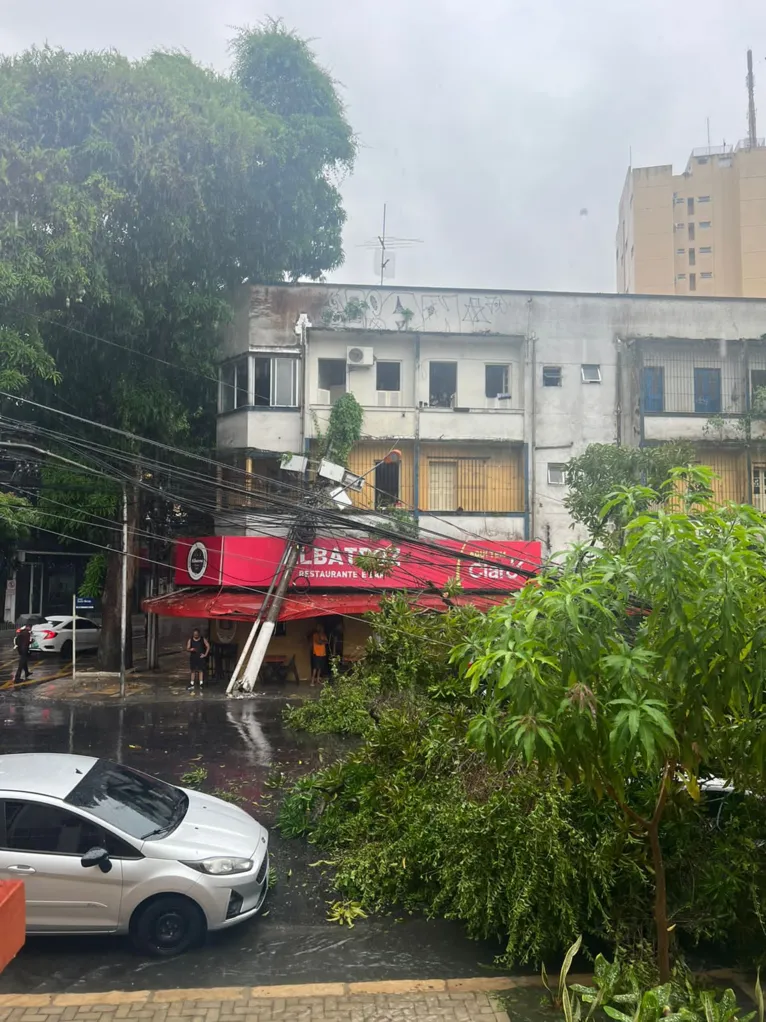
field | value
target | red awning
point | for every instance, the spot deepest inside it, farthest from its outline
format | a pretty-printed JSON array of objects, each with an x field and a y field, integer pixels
[{"x": 239, "y": 606}]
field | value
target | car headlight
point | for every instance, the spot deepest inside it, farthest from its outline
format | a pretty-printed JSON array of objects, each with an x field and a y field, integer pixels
[{"x": 222, "y": 865}]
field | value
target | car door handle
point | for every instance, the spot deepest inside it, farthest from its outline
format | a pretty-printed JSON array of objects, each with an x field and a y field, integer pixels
[{"x": 20, "y": 869}]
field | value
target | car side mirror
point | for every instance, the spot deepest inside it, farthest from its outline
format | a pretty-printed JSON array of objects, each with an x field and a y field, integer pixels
[{"x": 97, "y": 857}]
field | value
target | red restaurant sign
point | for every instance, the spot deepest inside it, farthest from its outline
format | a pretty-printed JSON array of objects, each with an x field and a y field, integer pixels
[{"x": 250, "y": 562}]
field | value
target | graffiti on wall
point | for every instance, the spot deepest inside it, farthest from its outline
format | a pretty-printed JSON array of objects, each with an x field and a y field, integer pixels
[{"x": 435, "y": 312}]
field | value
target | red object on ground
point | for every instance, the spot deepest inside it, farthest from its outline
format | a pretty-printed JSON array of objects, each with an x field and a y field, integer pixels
[{"x": 13, "y": 920}]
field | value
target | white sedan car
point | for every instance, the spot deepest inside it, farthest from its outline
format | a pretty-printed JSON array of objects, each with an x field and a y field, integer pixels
[
  {"x": 55, "y": 635},
  {"x": 102, "y": 848}
]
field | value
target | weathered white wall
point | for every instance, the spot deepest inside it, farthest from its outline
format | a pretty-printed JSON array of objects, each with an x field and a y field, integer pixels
[
  {"x": 264, "y": 430},
  {"x": 525, "y": 329}
]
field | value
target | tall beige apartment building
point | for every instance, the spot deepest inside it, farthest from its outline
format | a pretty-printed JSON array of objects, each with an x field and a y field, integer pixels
[{"x": 700, "y": 232}]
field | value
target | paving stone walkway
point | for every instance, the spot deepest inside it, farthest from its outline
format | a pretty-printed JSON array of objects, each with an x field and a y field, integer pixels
[{"x": 393, "y": 1001}]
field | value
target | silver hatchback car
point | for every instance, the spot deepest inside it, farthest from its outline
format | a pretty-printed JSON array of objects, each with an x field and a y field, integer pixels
[{"x": 102, "y": 848}]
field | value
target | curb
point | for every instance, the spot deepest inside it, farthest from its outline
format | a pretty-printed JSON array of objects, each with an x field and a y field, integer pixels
[
  {"x": 214, "y": 995},
  {"x": 481, "y": 984}
]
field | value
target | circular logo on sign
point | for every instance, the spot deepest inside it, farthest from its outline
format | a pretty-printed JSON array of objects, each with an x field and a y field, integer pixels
[{"x": 196, "y": 562}]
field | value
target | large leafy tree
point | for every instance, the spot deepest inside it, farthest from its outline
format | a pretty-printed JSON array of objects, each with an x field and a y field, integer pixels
[
  {"x": 602, "y": 470},
  {"x": 624, "y": 669},
  {"x": 135, "y": 197}
]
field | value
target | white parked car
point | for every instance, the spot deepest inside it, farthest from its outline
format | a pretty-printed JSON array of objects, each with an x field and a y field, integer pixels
[
  {"x": 102, "y": 848},
  {"x": 55, "y": 634}
]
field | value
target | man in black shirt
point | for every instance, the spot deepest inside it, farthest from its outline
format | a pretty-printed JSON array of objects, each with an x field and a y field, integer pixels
[{"x": 22, "y": 643}]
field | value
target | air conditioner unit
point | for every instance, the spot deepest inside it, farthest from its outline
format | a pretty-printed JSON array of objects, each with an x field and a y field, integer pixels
[
  {"x": 359, "y": 357},
  {"x": 389, "y": 398},
  {"x": 323, "y": 397}
]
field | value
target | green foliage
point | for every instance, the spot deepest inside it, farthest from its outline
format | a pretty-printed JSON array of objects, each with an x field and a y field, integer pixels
[
  {"x": 618, "y": 993},
  {"x": 628, "y": 711},
  {"x": 343, "y": 430},
  {"x": 342, "y": 708},
  {"x": 345, "y": 912},
  {"x": 355, "y": 309},
  {"x": 95, "y": 575},
  {"x": 594, "y": 477},
  {"x": 137, "y": 196},
  {"x": 195, "y": 777}
]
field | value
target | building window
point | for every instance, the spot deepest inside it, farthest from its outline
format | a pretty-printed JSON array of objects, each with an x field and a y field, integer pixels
[
  {"x": 706, "y": 250},
  {"x": 331, "y": 380},
  {"x": 680, "y": 251},
  {"x": 703, "y": 198},
  {"x": 758, "y": 388},
  {"x": 497, "y": 381},
  {"x": 707, "y": 391},
  {"x": 551, "y": 376},
  {"x": 724, "y": 161},
  {"x": 680, "y": 276},
  {"x": 442, "y": 384},
  {"x": 706, "y": 275},
  {"x": 386, "y": 484},
  {"x": 458, "y": 484},
  {"x": 692, "y": 257},
  {"x": 678, "y": 200},
  {"x": 654, "y": 388},
  {"x": 701, "y": 159},
  {"x": 690, "y": 206},
  {"x": 691, "y": 232},
  {"x": 557, "y": 474},
  {"x": 234, "y": 390},
  {"x": 590, "y": 373},
  {"x": 759, "y": 487},
  {"x": 705, "y": 225},
  {"x": 388, "y": 375},
  {"x": 692, "y": 281},
  {"x": 680, "y": 227},
  {"x": 442, "y": 485},
  {"x": 275, "y": 382}
]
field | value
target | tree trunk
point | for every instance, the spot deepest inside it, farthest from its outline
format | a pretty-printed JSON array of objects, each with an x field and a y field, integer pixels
[
  {"x": 660, "y": 903},
  {"x": 109, "y": 646}
]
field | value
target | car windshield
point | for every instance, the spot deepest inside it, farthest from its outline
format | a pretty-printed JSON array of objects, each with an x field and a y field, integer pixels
[{"x": 137, "y": 804}]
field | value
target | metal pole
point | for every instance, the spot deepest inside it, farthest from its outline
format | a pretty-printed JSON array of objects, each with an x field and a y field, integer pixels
[
  {"x": 74, "y": 637},
  {"x": 124, "y": 595}
]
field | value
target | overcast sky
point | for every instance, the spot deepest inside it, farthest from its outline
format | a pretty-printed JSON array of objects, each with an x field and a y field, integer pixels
[{"x": 486, "y": 127}]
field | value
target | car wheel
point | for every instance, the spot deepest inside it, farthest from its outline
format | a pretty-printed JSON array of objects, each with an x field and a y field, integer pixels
[
  {"x": 167, "y": 926},
  {"x": 66, "y": 648}
]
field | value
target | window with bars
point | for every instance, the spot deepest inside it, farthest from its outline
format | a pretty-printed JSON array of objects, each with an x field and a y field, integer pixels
[
  {"x": 457, "y": 484},
  {"x": 759, "y": 487},
  {"x": 654, "y": 388},
  {"x": 707, "y": 391}
]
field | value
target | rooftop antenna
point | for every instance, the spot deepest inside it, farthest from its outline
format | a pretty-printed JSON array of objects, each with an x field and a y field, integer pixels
[
  {"x": 708, "y": 132},
  {"x": 752, "y": 134},
  {"x": 384, "y": 243}
]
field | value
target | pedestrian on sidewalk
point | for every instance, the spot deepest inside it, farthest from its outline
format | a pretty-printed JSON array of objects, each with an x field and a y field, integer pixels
[
  {"x": 198, "y": 649},
  {"x": 21, "y": 643},
  {"x": 318, "y": 655}
]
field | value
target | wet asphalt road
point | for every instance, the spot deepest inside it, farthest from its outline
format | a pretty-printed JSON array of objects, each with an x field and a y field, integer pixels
[{"x": 243, "y": 746}]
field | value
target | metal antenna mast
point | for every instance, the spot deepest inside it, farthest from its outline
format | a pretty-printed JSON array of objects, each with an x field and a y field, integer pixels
[
  {"x": 752, "y": 134},
  {"x": 384, "y": 244}
]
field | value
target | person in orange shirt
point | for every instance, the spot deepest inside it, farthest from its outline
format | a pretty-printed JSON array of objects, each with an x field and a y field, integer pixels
[{"x": 318, "y": 655}]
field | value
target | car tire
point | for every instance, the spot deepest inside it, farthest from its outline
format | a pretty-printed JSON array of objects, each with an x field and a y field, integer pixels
[
  {"x": 167, "y": 926},
  {"x": 66, "y": 649}
]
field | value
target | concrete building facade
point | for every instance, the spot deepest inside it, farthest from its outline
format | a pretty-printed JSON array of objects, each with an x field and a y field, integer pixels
[
  {"x": 486, "y": 394},
  {"x": 699, "y": 232}
]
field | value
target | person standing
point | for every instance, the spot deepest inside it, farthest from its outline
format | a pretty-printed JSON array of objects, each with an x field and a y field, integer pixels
[
  {"x": 318, "y": 654},
  {"x": 198, "y": 649},
  {"x": 22, "y": 643}
]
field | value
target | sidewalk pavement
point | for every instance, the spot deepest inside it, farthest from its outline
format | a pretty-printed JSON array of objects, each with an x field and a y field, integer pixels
[{"x": 387, "y": 1001}]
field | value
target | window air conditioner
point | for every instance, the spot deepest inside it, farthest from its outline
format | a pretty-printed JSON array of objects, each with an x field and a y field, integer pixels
[
  {"x": 388, "y": 398},
  {"x": 359, "y": 357},
  {"x": 323, "y": 397}
]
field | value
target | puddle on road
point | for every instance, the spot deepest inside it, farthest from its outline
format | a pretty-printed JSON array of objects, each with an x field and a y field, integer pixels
[{"x": 243, "y": 746}]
